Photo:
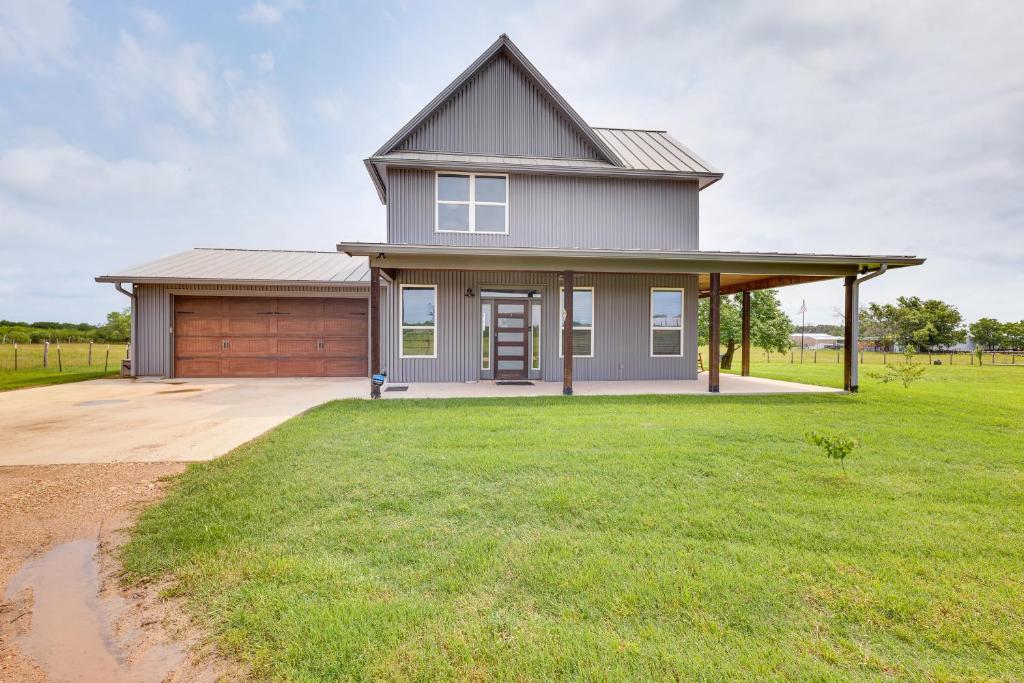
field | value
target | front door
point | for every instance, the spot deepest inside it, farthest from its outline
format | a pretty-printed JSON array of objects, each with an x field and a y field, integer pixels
[{"x": 512, "y": 335}]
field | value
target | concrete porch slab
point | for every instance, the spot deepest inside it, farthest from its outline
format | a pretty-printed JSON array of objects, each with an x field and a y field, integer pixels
[{"x": 729, "y": 385}]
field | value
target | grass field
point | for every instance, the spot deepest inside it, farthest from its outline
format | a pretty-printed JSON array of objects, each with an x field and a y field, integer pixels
[
  {"x": 626, "y": 538},
  {"x": 72, "y": 365}
]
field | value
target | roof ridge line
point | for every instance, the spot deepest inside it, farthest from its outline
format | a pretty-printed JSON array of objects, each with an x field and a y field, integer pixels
[{"x": 277, "y": 251}]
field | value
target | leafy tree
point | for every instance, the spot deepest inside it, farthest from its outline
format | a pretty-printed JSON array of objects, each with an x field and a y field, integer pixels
[
  {"x": 881, "y": 322},
  {"x": 770, "y": 327},
  {"x": 19, "y": 337},
  {"x": 989, "y": 333},
  {"x": 928, "y": 323},
  {"x": 118, "y": 327},
  {"x": 1014, "y": 334}
]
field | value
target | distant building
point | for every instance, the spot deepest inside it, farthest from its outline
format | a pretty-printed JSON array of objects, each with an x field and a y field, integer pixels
[{"x": 816, "y": 340}]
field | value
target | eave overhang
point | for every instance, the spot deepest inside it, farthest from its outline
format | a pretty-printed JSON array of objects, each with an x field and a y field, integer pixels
[
  {"x": 618, "y": 260},
  {"x": 234, "y": 282}
]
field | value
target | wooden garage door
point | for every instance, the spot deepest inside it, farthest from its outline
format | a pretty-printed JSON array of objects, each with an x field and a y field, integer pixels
[{"x": 269, "y": 337}]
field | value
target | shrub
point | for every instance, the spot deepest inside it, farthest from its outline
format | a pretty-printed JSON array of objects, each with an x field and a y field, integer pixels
[{"x": 835, "y": 445}]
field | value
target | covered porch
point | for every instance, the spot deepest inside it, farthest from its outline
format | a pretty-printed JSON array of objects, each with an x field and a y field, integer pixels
[
  {"x": 709, "y": 275},
  {"x": 732, "y": 385}
]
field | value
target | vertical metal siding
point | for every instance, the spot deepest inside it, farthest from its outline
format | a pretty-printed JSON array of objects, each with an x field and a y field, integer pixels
[
  {"x": 500, "y": 111},
  {"x": 621, "y": 317},
  {"x": 558, "y": 211}
]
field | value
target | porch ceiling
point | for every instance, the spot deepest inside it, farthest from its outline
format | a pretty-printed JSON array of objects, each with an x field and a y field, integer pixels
[{"x": 740, "y": 271}]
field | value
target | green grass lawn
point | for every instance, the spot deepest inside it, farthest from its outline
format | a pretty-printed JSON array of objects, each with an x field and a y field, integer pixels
[
  {"x": 616, "y": 538},
  {"x": 39, "y": 377}
]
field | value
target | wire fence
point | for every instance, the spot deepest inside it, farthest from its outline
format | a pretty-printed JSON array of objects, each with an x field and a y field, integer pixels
[
  {"x": 61, "y": 357},
  {"x": 835, "y": 356}
]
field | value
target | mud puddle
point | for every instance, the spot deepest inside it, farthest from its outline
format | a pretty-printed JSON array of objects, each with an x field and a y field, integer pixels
[{"x": 75, "y": 632}]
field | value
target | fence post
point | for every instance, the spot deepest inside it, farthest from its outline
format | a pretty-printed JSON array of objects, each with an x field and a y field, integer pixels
[
  {"x": 90, "y": 354},
  {"x": 106, "y": 360},
  {"x": 790, "y": 357},
  {"x": 15, "y": 355},
  {"x": 60, "y": 363},
  {"x": 837, "y": 356},
  {"x": 46, "y": 354}
]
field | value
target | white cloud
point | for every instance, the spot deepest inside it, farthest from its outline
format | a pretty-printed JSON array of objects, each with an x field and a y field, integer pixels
[
  {"x": 269, "y": 14},
  {"x": 64, "y": 172},
  {"x": 331, "y": 107},
  {"x": 38, "y": 34},
  {"x": 257, "y": 120},
  {"x": 150, "y": 21},
  {"x": 264, "y": 62},
  {"x": 181, "y": 77}
]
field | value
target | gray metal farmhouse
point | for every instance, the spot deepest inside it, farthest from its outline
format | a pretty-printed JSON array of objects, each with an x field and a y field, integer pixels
[{"x": 522, "y": 244}]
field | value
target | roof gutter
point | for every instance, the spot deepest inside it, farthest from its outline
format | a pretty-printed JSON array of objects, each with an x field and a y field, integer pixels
[
  {"x": 856, "y": 317},
  {"x": 133, "y": 324}
]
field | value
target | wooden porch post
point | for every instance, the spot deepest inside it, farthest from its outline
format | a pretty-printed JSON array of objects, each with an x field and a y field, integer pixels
[
  {"x": 849, "y": 340},
  {"x": 374, "y": 329},
  {"x": 714, "y": 336},
  {"x": 745, "y": 367},
  {"x": 567, "y": 334}
]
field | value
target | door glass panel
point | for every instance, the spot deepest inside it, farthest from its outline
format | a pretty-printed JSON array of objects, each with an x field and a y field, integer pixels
[
  {"x": 510, "y": 322},
  {"x": 510, "y": 336},
  {"x": 510, "y": 350},
  {"x": 510, "y": 365},
  {"x": 535, "y": 337},
  {"x": 485, "y": 336},
  {"x": 510, "y": 308}
]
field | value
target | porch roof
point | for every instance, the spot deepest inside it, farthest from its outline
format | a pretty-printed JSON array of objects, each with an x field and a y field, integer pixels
[{"x": 740, "y": 271}]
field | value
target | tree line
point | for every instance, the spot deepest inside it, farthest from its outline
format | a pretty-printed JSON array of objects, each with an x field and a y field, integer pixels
[
  {"x": 912, "y": 323},
  {"x": 116, "y": 329}
]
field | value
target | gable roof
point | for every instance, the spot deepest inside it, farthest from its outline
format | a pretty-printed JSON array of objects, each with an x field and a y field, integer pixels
[
  {"x": 249, "y": 266},
  {"x": 504, "y": 46},
  {"x": 653, "y": 150}
]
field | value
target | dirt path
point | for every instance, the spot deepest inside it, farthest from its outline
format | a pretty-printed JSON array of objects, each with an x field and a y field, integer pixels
[{"x": 63, "y": 615}]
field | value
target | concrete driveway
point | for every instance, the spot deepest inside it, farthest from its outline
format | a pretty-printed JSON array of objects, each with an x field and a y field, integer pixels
[{"x": 115, "y": 420}]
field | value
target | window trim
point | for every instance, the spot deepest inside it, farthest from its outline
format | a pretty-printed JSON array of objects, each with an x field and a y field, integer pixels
[
  {"x": 490, "y": 335},
  {"x": 650, "y": 321},
  {"x": 592, "y": 327},
  {"x": 402, "y": 326},
  {"x": 471, "y": 202}
]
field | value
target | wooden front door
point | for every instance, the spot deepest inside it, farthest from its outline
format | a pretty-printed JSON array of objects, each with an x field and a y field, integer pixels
[
  {"x": 511, "y": 338},
  {"x": 269, "y": 337}
]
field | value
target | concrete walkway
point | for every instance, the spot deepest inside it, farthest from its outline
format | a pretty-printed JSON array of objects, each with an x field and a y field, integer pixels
[
  {"x": 116, "y": 420},
  {"x": 729, "y": 385}
]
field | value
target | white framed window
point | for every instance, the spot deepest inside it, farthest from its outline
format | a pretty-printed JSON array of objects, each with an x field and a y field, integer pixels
[
  {"x": 582, "y": 322},
  {"x": 471, "y": 202},
  {"x": 666, "y": 322},
  {"x": 485, "y": 335},
  {"x": 535, "y": 336},
  {"x": 418, "y": 321}
]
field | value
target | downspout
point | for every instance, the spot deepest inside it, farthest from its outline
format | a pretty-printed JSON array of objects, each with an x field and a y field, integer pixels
[
  {"x": 131, "y": 342},
  {"x": 856, "y": 320}
]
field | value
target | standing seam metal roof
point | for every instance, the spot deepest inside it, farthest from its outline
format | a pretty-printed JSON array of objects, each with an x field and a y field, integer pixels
[
  {"x": 652, "y": 150},
  {"x": 255, "y": 265}
]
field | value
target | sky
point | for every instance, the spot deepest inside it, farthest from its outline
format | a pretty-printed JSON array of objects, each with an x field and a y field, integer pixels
[{"x": 133, "y": 131}]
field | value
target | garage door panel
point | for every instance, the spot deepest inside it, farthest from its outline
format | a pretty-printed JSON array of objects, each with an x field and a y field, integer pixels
[
  {"x": 200, "y": 346},
  {"x": 345, "y": 346},
  {"x": 353, "y": 326},
  {"x": 189, "y": 326},
  {"x": 300, "y": 307},
  {"x": 345, "y": 367},
  {"x": 289, "y": 346},
  {"x": 199, "y": 305},
  {"x": 302, "y": 326},
  {"x": 251, "y": 345},
  {"x": 244, "y": 306},
  {"x": 270, "y": 337},
  {"x": 198, "y": 367},
  {"x": 251, "y": 325}
]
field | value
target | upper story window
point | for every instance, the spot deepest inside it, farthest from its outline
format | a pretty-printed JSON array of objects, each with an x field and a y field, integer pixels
[{"x": 471, "y": 202}]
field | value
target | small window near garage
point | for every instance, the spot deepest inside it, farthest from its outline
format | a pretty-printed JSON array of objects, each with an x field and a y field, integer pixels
[
  {"x": 666, "y": 322},
  {"x": 418, "y": 322},
  {"x": 582, "y": 321},
  {"x": 469, "y": 202}
]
